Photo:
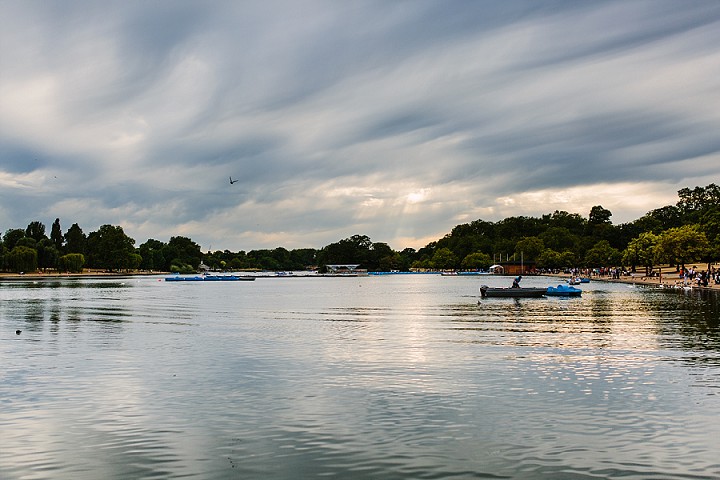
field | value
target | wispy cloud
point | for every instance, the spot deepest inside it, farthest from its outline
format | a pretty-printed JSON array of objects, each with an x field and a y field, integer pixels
[{"x": 393, "y": 120}]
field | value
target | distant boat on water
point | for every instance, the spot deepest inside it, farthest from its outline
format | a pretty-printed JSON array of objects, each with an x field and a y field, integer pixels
[{"x": 209, "y": 278}]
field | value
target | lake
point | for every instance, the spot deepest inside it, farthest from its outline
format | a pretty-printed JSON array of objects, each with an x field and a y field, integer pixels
[{"x": 387, "y": 377}]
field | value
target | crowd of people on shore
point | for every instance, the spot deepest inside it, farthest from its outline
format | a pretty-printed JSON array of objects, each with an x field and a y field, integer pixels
[
  {"x": 703, "y": 278},
  {"x": 690, "y": 276}
]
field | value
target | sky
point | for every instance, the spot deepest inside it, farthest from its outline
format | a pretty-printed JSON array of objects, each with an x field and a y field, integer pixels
[{"x": 393, "y": 119}]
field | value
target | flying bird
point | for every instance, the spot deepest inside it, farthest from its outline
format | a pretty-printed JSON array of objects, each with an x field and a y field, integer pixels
[{"x": 232, "y": 181}]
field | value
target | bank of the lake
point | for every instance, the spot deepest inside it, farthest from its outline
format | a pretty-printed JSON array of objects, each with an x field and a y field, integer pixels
[{"x": 665, "y": 276}]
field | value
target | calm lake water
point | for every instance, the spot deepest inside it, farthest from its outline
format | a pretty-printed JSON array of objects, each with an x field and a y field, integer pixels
[{"x": 391, "y": 377}]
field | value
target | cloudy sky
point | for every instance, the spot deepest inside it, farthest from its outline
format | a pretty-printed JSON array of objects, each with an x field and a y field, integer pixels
[{"x": 392, "y": 119}]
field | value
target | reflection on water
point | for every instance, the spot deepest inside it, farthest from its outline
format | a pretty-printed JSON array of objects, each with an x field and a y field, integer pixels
[{"x": 392, "y": 377}]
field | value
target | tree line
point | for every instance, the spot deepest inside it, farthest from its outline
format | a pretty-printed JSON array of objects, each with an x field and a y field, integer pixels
[{"x": 686, "y": 232}]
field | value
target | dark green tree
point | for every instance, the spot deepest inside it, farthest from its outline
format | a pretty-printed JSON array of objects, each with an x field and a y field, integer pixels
[
  {"x": 550, "y": 259},
  {"x": 641, "y": 251},
  {"x": 602, "y": 255},
  {"x": 695, "y": 202},
  {"x": 72, "y": 262},
  {"x": 353, "y": 250},
  {"x": 22, "y": 259},
  {"x": 476, "y": 261},
  {"x": 35, "y": 230},
  {"x": 529, "y": 247},
  {"x": 444, "y": 259},
  {"x": 47, "y": 254},
  {"x": 26, "y": 242},
  {"x": 152, "y": 255},
  {"x": 185, "y": 250},
  {"x": 109, "y": 248},
  {"x": 599, "y": 215},
  {"x": 75, "y": 240},
  {"x": 303, "y": 257},
  {"x": 11, "y": 237},
  {"x": 378, "y": 251},
  {"x": 56, "y": 235},
  {"x": 667, "y": 217},
  {"x": 558, "y": 239},
  {"x": 573, "y": 222}
]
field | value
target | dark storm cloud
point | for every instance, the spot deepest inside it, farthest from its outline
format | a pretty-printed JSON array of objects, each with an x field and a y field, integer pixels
[{"x": 398, "y": 120}]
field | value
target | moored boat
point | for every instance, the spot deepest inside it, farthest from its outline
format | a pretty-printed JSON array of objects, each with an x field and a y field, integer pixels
[{"x": 521, "y": 292}]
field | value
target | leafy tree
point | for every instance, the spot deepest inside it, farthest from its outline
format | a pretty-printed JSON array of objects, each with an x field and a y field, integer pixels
[
  {"x": 602, "y": 254},
  {"x": 353, "y": 250},
  {"x": 303, "y": 257},
  {"x": 22, "y": 259},
  {"x": 238, "y": 263},
  {"x": 681, "y": 245},
  {"x": 26, "y": 242},
  {"x": 391, "y": 262},
  {"x": 568, "y": 258},
  {"x": 573, "y": 222},
  {"x": 56, "y": 235},
  {"x": 110, "y": 248},
  {"x": 443, "y": 259},
  {"x": 550, "y": 259},
  {"x": 75, "y": 240},
  {"x": 710, "y": 225},
  {"x": 152, "y": 255},
  {"x": 641, "y": 251},
  {"x": 529, "y": 247},
  {"x": 599, "y": 215},
  {"x": 558, "y": 238},
  {"x": 134, "y": 261},
  {"x": 266, "y": 262},
  {"x": 408, "y": 256},
  {"x": 475, "y": 261},
  {"x": 694, "y": 203},
  {"x": 178, "y": 266},
  {"x": 47, "y": 254},
  {"x": 11, "y": 237},
  {"x": 187, "y": 251},
  {"x": 72, "y": 262},
  {"x": 378, "y": 251},
  {"x": 667, "y": 217},
  {"x": 35, "y": 230},
  {"x": 512, "y": 227}
]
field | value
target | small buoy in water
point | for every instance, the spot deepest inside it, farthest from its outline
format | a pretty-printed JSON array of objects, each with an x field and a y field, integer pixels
[{"x": 18, "y": 332}]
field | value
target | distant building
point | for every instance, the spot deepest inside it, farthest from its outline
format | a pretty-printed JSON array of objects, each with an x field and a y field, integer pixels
[
  {"x": 515, "y": 268},
  {"x": 345, "y": 269}
]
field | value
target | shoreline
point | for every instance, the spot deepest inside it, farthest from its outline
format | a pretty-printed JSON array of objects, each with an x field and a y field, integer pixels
[
  {"x": 59, "y": 276},
  {"x": 669, "y": 279}
]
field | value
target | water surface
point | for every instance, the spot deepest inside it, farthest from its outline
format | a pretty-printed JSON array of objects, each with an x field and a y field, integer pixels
[{"x": 392, "y": 377}]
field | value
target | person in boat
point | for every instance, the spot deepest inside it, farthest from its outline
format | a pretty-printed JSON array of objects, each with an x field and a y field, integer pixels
[{"x": 516, "y": 282}]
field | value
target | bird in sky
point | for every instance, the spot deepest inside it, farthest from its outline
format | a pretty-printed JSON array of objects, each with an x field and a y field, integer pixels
[{"x": 232, "y": 181}]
